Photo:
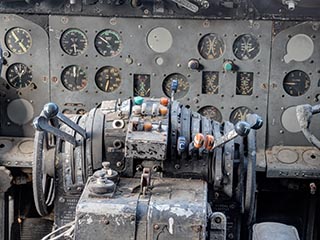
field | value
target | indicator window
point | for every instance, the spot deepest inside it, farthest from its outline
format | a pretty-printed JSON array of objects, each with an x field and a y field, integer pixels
[
  {"x": 210, "y": 82},
  {"x": 244, "y": 83},
  {"x": 141, "y": 85}
]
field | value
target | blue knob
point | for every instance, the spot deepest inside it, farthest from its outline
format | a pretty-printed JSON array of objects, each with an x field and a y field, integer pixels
[
  {"x": 50, "y": 110},
  {"x": 174, "y": 85}
]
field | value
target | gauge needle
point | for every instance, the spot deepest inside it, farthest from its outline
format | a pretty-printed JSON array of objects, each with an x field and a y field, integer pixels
[
  {"x": 22, "y": 46},
  {"x": 104, "y": 40},
  {"x": 15, "y": 36},
  {"x": 74, "y": 47},
  {"x": 74, "y": 72},
  {"x": 107, "y": 85}
]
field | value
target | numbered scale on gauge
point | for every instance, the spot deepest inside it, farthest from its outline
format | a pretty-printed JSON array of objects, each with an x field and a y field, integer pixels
[
  {"x": 18, "y": 40},
  {"x": 19, "y": 75},
  {"x": 108, "y": 43},
  {"x": 296, "y": 83},
  {"x": 108, "y": 79},
  {"x": 74, "y": 42},
  {"x": 74, "y": 78},
  {"x": 211, "y": 112},
  {"x": 246, "y": 47},
  {"x": 211, "y": 46},
  {"x": 240, "y": 114},
  {"x": 244, "y": 83}
]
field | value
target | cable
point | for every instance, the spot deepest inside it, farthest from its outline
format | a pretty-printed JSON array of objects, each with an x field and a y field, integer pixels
[{"x": 69, "y": 231}]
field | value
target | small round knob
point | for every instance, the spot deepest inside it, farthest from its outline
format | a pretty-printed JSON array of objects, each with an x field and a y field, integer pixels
[
  {"x": 242, "y": 128},
  {"x": 138, "y": 100},
  {"x": 193, "y": 64},
  {"x": 50, "y": 110},
  {"x": 228, "y": 66}
]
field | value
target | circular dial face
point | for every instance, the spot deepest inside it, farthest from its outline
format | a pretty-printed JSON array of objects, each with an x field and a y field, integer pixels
[
  {"x": 183, "y": 85},
  {"x": 239, "y": 114},
  {"x": 19, "y": 75},
  {"x": 296, "y": 83},
  {"x": 211, "y": 112},
  {"x": 18, "y": 40},
  {"x": 108, "y": 79},
  {"x": 74, "y": 78},
  {"x": 211, "y": 46},
  {"x": 74, "y": 42},
  {"x": 108, "y": 43},
  {"x": 246, "y": 47}
]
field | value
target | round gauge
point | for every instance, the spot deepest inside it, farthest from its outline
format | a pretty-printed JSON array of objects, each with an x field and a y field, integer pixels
[
  {"x": 211, "y": 112},
  {"x": 18, "y": 40},
  {"x": 183, "y": 85},
  {"x": 108, "y": 79},
  {"x": 19, "y": 75},
  {"x": 246, "y": 47},
  {"x": 74, "y": 42},
  {"x": 239, "y": 114},
  {"x": 211, "y": 46},
  {"x": 74, "y": 78},
  {"x": 108, "y": 43},
  {"x": 296, "y": 83}
]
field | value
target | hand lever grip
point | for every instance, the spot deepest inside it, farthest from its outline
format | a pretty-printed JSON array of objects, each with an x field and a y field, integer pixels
[{"x": 51, "y": 112}]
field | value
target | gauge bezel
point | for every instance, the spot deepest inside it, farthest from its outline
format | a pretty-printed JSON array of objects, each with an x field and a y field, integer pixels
[
  {"x": 305, "y": 90},
  {"x": 86, "y": 43},
  {"x": 101, "y": 71},
  {"x": 10, "y": 48},
  {"x": 238, "y": 38},
  {"x": 115, "y": 33},
  {"x": 219, "y": 38},
  {"x": 29, "y": 71},
  {"x": 63, "y": 82}
]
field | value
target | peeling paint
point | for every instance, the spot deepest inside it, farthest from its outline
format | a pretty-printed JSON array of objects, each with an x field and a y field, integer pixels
[{"x": 180, "y": 212}]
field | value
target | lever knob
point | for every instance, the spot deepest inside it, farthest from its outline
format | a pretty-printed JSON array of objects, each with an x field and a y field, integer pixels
[
  {"x": 50, "y": 110},
  {"x": 242, "y": 128}
]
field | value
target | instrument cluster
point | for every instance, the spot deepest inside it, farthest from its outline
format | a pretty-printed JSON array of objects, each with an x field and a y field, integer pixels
[{"x": 223, "y": 68}]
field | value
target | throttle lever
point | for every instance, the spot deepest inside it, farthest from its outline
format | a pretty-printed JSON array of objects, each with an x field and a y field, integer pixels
[
  {"x": 241, "y": 128},
  {"x": 51, "y": 112}
]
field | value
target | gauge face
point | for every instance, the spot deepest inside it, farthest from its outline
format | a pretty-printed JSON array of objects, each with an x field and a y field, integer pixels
[
  {"x": 210, "y": 82},
  {"x": 141, "y": 86},
  {"x": 108, "y": 43},
  {"x": 211, "y": 46},
  {"x": 239, "y": 114},
  {"x": 244, "y": 83},
  {"x": 74, "y": 78},
  {"x": 183, "y": 85},
  {"x": 246, "y": 47},
  {"x": 296, "y": 83},
  {"x": 19, "y": 75},
  {"x": 108, "y": 79},
  {"x": 18, "y": 40},
  {"x": 74, "y": 42},
  {"x": 211, "y": 112}
]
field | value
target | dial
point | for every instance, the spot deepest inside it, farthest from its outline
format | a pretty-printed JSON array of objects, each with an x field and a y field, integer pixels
[
  {"x": 108, "y": 79},
  {"x": 211, "y": 46},
  {"x": 244, "y": 83},
  {"x": 74, "y": 78},
  {"x": 211, "y": 112},
  {"x": 108, "y": 43},
  {"x": 296, "y": 83},
  {"x": 18, "y": 40},
  {"x": 239, "y": 114},
  {"x": 246, "y": 47},
  {"x": 141, "y": 85},
  {"x": 210, "y": 82},
  {"x": 74, "y": 42},
  {"x": 19, "y": 75},
  {"x": 183, "y": 85}
]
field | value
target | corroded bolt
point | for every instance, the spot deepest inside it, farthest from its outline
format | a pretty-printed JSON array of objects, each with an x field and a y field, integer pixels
[{"x": 156, "y": 227}]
